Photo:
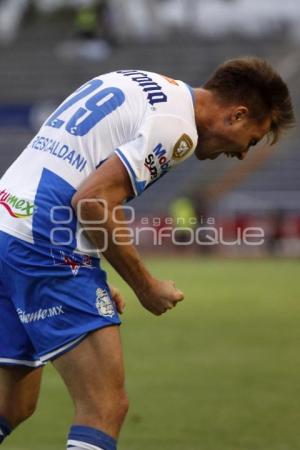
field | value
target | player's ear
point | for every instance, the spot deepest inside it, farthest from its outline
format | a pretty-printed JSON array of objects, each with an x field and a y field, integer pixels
[{"x": 239, "y": 114}]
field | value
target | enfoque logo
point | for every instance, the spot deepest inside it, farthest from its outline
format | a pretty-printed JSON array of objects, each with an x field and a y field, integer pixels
[{"x": 128, "y": 231}]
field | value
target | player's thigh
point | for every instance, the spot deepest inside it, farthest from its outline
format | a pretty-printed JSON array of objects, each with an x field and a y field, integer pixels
[
  {"x": 19, "y": 391},
  {"x": 94, "y": 366}
]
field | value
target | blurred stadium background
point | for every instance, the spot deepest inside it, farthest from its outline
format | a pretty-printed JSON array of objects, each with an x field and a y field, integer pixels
[{"x": 222, "y": 371}]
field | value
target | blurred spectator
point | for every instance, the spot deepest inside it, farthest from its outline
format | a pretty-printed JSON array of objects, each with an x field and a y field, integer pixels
[
  {"x": 211, "y": 18},
  {"x": 86, "y": 23},
  {"x": 137, "y": 19},
  {"x": 184, "y": 221},
  {"x": 92, "y": 34},
  {"x": 251, "y": 18},
  {"x": 147, "y": 20},
  {"x": 11, "y": 14},
  {"x": 276, "y": 234}
]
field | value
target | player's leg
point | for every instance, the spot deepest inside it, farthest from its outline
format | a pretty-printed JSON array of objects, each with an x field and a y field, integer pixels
[
  {"x": 19, "y": 376},
  {"x": 19, "y": 391},
  {"x": 94, "y": 375},
  {"x": 63, "y": 300}
]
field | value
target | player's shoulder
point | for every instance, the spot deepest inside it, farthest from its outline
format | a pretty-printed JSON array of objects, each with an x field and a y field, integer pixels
[
  {"x": 167, "y": 104},
  {"x": 159, "y": 88}
]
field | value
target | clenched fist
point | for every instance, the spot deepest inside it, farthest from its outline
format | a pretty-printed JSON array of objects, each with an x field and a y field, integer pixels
[
  {"x": 160, "y": 296},
  {"x": 117, "y": 298}
]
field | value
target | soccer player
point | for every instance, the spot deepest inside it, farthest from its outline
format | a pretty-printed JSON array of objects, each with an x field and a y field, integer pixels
[{"x": 60, "y": 202}]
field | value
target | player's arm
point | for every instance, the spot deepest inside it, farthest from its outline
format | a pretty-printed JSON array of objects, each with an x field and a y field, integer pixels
[{"x": 109, "y": 186}]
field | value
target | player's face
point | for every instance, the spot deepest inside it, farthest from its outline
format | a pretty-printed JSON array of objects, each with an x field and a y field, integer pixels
[{"x": 232, "y": 133}]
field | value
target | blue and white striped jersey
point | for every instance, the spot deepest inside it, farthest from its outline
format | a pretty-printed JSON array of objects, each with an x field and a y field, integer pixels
[{"x": 147, "y": 119}]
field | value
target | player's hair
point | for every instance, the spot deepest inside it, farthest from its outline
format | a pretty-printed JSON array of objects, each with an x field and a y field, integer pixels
[{"x": 252, "y": 82}]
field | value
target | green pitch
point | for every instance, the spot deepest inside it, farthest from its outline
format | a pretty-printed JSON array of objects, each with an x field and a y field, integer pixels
[{"x": 220, "y": 372}]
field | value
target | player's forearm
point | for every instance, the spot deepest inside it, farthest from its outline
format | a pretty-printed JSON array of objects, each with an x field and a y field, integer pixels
[{"x": 118, "y": 250}]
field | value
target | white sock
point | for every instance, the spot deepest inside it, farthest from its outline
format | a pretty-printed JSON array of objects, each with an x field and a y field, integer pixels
[{"x": 77, "y": 445}]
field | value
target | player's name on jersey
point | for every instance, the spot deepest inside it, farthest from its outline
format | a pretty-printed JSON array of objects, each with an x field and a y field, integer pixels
[{"x": 61, "y": 151}]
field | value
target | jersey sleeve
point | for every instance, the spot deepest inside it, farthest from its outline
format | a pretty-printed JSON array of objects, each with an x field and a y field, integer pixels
[{"x": 162, "y": 142}]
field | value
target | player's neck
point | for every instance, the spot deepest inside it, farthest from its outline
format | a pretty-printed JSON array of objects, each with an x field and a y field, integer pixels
[{"x": 205, "y": 106}]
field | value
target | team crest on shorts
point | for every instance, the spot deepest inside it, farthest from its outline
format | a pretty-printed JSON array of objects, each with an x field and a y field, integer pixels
[
  {"x": 182, "y": 147},
  {"x": 104, "y": 303}
]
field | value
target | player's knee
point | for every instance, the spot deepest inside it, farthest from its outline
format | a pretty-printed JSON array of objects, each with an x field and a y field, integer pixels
[
  {"x": 112, "y": 406},
  {"x": 16, "y": 415},
  {"x": 123, "y": 404},
  {"x": 116, "y": 407},
  {"x": 23, "y": 412}
]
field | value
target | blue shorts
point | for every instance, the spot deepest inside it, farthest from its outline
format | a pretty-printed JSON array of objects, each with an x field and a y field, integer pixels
[{"x": 50, "y": 299}]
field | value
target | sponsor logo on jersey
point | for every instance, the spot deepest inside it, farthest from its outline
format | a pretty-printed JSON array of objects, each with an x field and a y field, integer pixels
[
  {"x": 40, "y": 314},
  {"x": 104, "y": 303},
  {"x": 74, "y": 261},
  {"x": 154, "y": 91},
  {"x": 182, "y": 147},
  {"x": 170, "y": 80},
  {"x": 157, "y": 161},
  {"x": 15, "y": 206}
]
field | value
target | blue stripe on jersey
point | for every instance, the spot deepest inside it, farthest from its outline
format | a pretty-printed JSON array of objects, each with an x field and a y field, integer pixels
[
  {"x": 139, "y": 186},
  {"x": 192, "y": 92},
  {"x": 54, "y": 219}
]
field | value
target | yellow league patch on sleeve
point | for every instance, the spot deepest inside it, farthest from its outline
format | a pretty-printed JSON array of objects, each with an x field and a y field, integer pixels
[{"x": 182, "y": 146}]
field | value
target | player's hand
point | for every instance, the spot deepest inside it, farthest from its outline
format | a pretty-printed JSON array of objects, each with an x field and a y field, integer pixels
[
  {"x": 117, "y": 298},
  {"x": 160, "y": 296}
]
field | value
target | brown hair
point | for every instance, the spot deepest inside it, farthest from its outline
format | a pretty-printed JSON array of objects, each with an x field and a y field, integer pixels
[{"x": 254, "y": 83}]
